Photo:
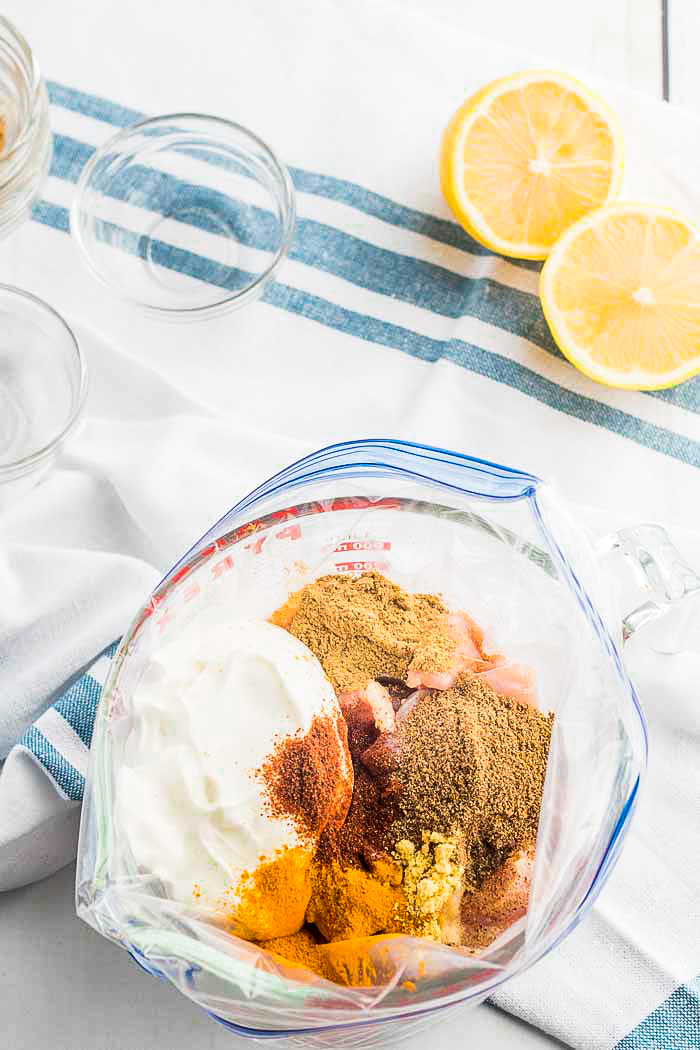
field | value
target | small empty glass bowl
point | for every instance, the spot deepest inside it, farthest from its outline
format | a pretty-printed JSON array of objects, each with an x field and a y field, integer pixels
[
  {"x": 187, "y": 216},
  {"x": 43, "y": 383}
]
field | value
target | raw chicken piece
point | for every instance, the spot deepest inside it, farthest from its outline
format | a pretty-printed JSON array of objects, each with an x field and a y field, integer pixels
[
  {"x": 432, "y": 679},
  {"x": 368, "y": 712},
  {"x": 514, "y": 680},
  {"x": 501, "y": 901},
  {"x": 409, "y": 703},
  {"x": 381, "y": 757},
  {"x": 468, "y": 655}
]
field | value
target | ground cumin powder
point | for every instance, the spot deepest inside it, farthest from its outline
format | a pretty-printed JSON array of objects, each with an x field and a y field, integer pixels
[
  {"x": 472, "y": 762},
  {"x": 362, "y": 627}
]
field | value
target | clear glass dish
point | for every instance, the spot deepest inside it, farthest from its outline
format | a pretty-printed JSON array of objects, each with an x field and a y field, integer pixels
[
  {"x": 43, "y": 386},
  {"x": 26, "y": 144},
  {"x": 494, "y": 541},
  {"x": 186, "y": 216}
]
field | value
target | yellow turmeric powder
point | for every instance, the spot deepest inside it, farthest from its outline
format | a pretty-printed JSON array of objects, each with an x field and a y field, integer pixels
[
  {"x": 359, "y": 962},
  {"x": 354, "y": 962},
  {"x": 350, "y": 902},
  {"x": 301, "y": 948},
  {"x": 271, "y": 901},
  {"x": 370, "y": 961},
  {"x": 347, "y": 905}
]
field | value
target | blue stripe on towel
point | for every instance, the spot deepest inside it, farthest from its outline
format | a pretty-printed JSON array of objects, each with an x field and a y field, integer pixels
[
  {"x": 674, "y": 1025},
  {"x": 443, "y": 230},
  {"x": 417, "y": 282},
  {"x": 421, "y": 283},
  {"x": 92, "y": 106},
  {"x": 79, "y": 705},
  {"x": 467, "y": 355},
  {"x": 66, "y": 776}
]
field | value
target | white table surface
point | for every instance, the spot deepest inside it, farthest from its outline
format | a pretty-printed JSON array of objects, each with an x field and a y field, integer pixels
[{"x": 63, "y": 986}]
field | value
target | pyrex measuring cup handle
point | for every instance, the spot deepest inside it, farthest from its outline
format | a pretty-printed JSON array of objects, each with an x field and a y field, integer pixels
[{"x": 651, "y": 570}]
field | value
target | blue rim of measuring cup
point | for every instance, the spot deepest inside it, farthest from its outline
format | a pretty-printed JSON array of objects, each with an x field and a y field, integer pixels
[
  {"x": 350, "y": 459},
  {"x": 387, "y": 457}
]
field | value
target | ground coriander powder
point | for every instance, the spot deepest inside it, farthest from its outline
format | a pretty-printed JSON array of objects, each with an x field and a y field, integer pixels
[{"x": 362, "y": 627}]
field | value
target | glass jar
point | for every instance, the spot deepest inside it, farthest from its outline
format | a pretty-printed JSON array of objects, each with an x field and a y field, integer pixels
[{"x": 25, "y": 142}]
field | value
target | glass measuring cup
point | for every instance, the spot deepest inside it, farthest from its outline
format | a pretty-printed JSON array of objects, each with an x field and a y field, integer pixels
[{"x": 494, "y": 541}]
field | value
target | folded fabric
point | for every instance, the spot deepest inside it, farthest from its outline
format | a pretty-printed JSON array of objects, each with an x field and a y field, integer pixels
[
  {"x": 386, "y": 320},
  {"x": 81, "y": 552},
  {"x": 43, "y": 781}
]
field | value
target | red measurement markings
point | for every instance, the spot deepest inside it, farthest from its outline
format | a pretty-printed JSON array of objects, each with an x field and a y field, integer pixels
[
  {"x": 363, "y": 545},
  {"x": 225, "y": 565},
  {"x": 257, "y": 546},
  {"x": 362, "y": 566},
  {"x": 117, "y": 707},
  {"x": 155, "y": 601},
  {"x": 360, "y": 502},
  {"x": 179, "y": 575},
  {"x": 292, "y": 532},
  {"x": 191, "y": 592},
  {"x": 163, "y": 621}
]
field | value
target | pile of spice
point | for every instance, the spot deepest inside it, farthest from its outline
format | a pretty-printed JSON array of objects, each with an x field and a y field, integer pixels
[
  {"x": 473, "y": 762},
  {"x": 431, "y": 878},
  {"x": 447, "y": 785},
  {"x": 303, "y": 778},
  {"x": 366, "y": 627},
  {"x": 306, "y": 781}
]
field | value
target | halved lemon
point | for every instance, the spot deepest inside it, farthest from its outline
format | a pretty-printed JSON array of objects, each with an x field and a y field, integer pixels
[
  {"x": 526, "y": 157},
  {"x": 621, "y": 294}
]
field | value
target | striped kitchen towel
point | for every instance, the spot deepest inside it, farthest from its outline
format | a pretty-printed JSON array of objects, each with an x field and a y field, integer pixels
[
  {"x": 387, "y": 318},
  {"x": 60, "y": 739}
]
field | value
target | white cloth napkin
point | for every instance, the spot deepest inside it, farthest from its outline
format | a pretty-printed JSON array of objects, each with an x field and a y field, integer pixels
[
  {"x": 372, "y": 332},
  {"x": 150, "y": 470}
]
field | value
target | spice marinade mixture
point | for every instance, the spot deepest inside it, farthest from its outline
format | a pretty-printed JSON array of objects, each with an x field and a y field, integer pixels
[
  {"x": 356, "y": 767},
  {"x": 448, "y": 752}
]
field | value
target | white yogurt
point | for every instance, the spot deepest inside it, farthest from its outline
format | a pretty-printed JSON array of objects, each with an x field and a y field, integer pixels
[{"x": 207, "y": 712}]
